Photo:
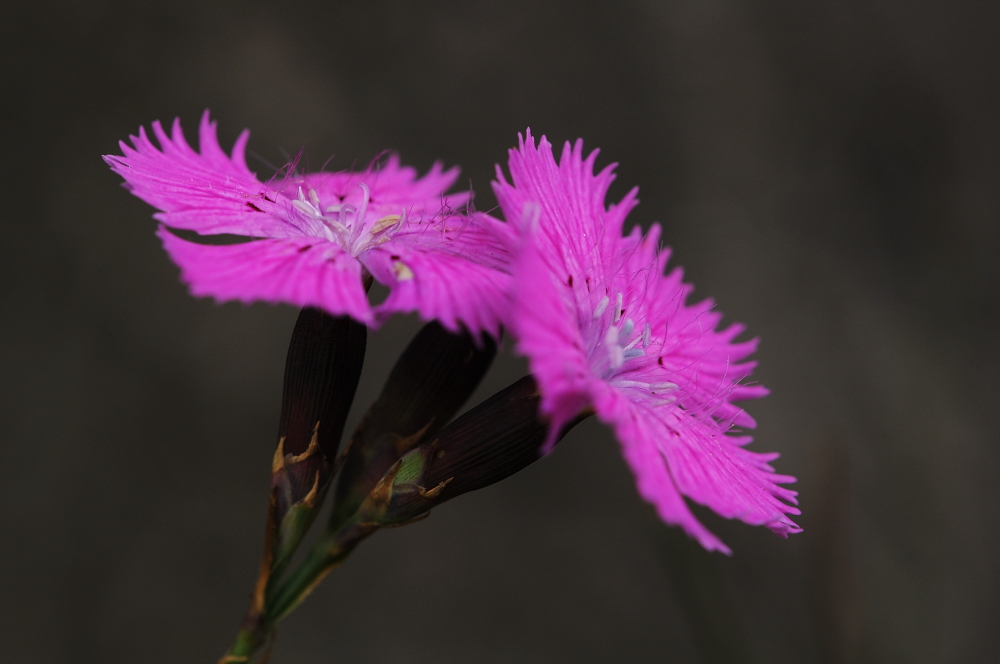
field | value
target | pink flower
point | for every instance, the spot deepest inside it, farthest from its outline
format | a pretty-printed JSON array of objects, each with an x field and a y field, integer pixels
[
  {"x": 604, "y": 328},
  {"x": 315, "y": 235}
]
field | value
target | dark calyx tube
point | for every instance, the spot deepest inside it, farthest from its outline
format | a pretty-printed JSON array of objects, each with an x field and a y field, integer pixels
[{"x": 434, "y": 376}]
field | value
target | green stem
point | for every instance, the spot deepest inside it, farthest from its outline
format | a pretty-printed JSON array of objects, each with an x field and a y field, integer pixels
[
  {"x": 248, "y": 641},
  {"x": 329, "y": 552}
]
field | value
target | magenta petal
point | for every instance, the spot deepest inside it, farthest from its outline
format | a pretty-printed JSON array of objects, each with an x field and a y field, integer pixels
[
  {"x": 393, "y": 189},
  {"x": 474, "y": 236},
  {"x": 546, "y": 330},
  {"x": 566, "y": 200},
  {"x": 301, "y": 271},
  {"x": 207, "y": 192},
  {"x": 451, "y": 268},
  {"x": 672, "y": 453},
  {"x": 652, "y": 474},
  {"x": 395, "y": 185},
  {"x": 457, "y": 292}
]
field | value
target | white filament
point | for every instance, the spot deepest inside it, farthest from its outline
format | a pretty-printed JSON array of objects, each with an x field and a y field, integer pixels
[{"x": 345, "y": 224}]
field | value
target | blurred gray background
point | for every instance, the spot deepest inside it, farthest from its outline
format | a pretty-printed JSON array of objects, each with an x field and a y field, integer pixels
[{"x": 828, "y": 172}]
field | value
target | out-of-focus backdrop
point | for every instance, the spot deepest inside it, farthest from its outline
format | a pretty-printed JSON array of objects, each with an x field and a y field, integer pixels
[{"x": 828, "y": 172}]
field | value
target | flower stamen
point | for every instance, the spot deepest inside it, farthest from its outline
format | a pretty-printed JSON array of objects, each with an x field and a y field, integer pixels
[
  {"x": 359, "y": 222},
  {"x": 601, "y": 306},
  {"x": 626, "y": 331},
  {"x": 345, "y": 224},
  {"x": 616, "y": 355},
  {"x": 653, "y": 389},
  {"x": 385, "y": 222}
]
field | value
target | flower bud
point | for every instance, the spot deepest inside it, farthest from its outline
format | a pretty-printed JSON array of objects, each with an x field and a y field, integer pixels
[
  {"x": 322, "y": 370},
  {"x": 432, "y": 379},
  {"x": 492, "y": 441}
]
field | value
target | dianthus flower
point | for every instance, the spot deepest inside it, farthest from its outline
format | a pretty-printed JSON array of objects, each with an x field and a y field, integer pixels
[
  {"x": 604, "y": 329},
  {"x": 315, "y": 236}
]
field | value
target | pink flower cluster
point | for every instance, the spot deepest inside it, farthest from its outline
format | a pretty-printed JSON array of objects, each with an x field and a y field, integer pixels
[{"x": 604, "y": 328}]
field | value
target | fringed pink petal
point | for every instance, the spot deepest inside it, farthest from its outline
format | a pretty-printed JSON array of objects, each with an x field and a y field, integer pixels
[
  {"x": 392, "y": 189},
  {"x": 393, "y": 183},
  {"x": 652, "y": 474},
  {"x": 476, "y": 237},
  {"x": 686, "y": 347},
  {"x": 701, "y": 463},
  {"x": 565, "y": 201},
  {"x": 299, "y": 271},
  {"x": 545, "y": 325},
  {"x": 451, "y": 289},
  {"x": 208, "y": 191}
]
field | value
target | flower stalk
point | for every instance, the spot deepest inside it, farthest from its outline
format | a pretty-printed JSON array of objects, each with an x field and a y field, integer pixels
[
  {"x": 322, "y": 370},
  {"x": 488, "y": 443}
]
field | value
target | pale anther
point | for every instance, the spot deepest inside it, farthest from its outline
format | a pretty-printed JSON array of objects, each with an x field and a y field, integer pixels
[
  {"x": 631, "y": 383},
  {"x": 601, "y": 306},
  {"x": 385, "y": 222},
  {"x": 303, "y": 206},
  {"x": 616, "y": 315},
  {"x": 616, "y": 354},
  {"x": 402, "y": 271},
  {"x": 626, "y": 331},
  {"x": 647, "y": 333}
]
